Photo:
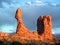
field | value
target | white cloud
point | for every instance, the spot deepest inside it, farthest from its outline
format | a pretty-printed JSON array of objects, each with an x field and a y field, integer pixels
[
  {"x": 9, "y": 3},
  {"x": 28, "y": 3},
  {"x": 41, "y": 3},
  {"x": 53, "y": 4},
  {"x": 36, "y": 3},
  {"x": 8, "y": 28},
  {"x": 53, "y": 32},
  {"x": 56, "y": 30},
  {"x": 5, "y": 5}
]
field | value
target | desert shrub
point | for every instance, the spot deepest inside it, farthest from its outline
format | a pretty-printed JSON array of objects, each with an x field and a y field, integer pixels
[
  {"x": 51, "y": 44},
  {"x": 59, "y": 41},
  {"x": 33, "y": 43},
  {"x": 16, "y": 43},
  {"x": 57, "y": 44},
  {"x": 6, "y": 42},
  {"x": 1, "y": 43}
]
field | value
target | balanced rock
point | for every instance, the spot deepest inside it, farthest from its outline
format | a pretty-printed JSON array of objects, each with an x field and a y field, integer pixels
[
  {"x": 18, "y": 15},
  {"x": 44, "y": 28},
  {"x": 22, "y": 31},
  {"x": 21, "y": 28}
]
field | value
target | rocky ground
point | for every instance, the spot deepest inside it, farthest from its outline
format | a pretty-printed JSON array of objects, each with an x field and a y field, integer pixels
[{"x": 15, "y": 39}]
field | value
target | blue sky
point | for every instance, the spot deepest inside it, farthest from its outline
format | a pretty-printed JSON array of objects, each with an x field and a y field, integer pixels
[{"x": 31, "y": 10}]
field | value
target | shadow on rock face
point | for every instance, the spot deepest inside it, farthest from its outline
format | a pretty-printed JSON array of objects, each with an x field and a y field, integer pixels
[{"x": 40, "y": 26}]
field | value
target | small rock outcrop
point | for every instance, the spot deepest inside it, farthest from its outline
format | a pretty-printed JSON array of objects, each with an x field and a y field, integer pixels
[
  {"x": 44, "y": 28},
  {"x": 3, "y": 34}
]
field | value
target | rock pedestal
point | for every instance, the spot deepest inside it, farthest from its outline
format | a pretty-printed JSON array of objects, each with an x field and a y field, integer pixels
[{"x": 21, "y": 29}]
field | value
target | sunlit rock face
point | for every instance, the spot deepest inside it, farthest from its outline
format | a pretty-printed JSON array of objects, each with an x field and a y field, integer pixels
[
  {"x": 3, "y": 34},
  {"x": 44, "y": 27},
  {"x": 21, "y": 29},
  {"x": 18, "y": 15}
]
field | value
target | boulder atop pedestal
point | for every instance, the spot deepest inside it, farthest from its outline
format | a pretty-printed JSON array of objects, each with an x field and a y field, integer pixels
[{"x": 18, "y": 14}]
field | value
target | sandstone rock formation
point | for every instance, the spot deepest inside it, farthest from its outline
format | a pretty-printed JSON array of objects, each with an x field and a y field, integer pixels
[
  {"x": 21, "y": 29},
  {"x": 3, "y": 34},
  {"x": 44, "y": 26}
]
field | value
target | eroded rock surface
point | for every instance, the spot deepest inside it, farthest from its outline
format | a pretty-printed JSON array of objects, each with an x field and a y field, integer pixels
[
  {"x": 44, "y": 28},
  {"x": 21, "y": 29}
]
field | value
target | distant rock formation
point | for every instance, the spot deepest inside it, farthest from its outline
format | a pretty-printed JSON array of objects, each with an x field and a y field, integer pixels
[
  {"x": 3, "y": 34},
  {"x": 44, "y": 28}
]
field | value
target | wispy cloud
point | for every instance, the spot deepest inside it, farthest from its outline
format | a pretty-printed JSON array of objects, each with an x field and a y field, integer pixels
[
  {"x": 54, "y": 5},
  {"x": 14, "y": 3},
  {"x": 5, "y": 5},
  {"x": 41, "y": 3},
  {"x": 36, "y": 3},
  {"x": 9, "y": 3}
]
